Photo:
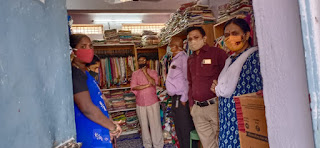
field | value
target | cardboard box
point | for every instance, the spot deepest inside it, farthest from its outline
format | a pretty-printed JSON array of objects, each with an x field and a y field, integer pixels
[{"x": 251, "y": 121}]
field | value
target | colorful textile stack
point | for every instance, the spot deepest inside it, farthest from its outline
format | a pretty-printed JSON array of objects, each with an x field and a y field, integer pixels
[
  {"x": 120, "y": 116},
  {"x": 111, "y": 36},
  {"x": 129, "y": 118},
  {"x": 115, "y": 71},
  {"x": 149, "y": 38},
  {"x": 130, "y": 100},
  {"x": 125, "y": 36},
  {"x": 115, "y": 100},
  {"x": 232, "y": 8},
  {"x": 187, "y": 15},
  {"x": 200, "y": 14},
  {"x": 168, "y": 126},
  {"x": 132, "y": 120},
  {"x": 136, "y": 39}
]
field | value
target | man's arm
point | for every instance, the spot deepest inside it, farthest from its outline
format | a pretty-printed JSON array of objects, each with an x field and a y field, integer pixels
[
  {"x": 184, "y": 96},
  {"x": 140, "y": 87},
  {"x": 191, "y": 101},
  {"x": 135, "y": 86}
]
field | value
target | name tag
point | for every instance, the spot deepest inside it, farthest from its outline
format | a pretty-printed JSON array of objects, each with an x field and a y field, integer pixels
[{"x": 206, "y": 61}]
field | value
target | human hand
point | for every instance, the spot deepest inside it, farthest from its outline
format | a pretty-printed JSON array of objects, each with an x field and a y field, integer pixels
[
  {"x": 183, "y": 103},
  {"x": 213, "y": 86},
  {"x": 117, "y": 132},
  {"x": 144, "y": 69},
  {"x": 72, "y": 56},
  {"x": 148, "y": 85}
]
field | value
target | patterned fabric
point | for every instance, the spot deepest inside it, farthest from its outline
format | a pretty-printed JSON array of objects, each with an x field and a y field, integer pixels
[{"x": 250, "y": 81}]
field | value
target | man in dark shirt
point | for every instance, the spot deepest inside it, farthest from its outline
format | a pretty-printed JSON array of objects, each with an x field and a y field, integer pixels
[{"x": 204, "y": 66}]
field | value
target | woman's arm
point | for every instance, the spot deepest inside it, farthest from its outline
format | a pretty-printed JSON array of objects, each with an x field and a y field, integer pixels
[{"x": 84, "y": 103}]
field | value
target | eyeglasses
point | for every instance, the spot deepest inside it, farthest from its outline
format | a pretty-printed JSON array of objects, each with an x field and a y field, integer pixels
[{"x": 142, "y": 60}]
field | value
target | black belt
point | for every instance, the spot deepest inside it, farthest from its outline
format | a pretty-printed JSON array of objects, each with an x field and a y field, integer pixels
[{"x": 205, "y": 103}]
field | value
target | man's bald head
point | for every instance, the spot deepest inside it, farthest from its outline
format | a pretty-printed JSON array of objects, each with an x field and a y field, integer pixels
[
  {"x": 176, "y": 41},
  {"x": 176, "y": 45}
]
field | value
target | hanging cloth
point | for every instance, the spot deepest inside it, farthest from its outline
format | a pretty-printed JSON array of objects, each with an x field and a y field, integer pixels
[
  {"x": 107, "y": 72},
  {"x": 123, "y": 69}
]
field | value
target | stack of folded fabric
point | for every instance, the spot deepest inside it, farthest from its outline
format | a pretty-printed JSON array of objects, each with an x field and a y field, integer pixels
[
  {"x": 130, "y": 100},
  {"x": 200, "y": 14},
  {"x": 125, "y": 36},
  {"x": 233, "y": 8},
  {"x": 120, "y": 116},
  {"x": 111, "y": 36},
  {"x": 132, "y": 120},
  {"x": 149, "y": 38},
  {"x": 187, "y": 15},
  {"x": 118, "y": 104},
  {"x": 136, "y": 39}
]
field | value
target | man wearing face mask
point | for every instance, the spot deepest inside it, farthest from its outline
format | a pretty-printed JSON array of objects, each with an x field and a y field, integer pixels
[
  {"x": 204, "y": 66},
  {"x": 177, "y": 87},
  {"x": 143, "y": 85}
]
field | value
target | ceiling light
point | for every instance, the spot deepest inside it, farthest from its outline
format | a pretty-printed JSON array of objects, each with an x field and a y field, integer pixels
[{"x": 106, "y": 21}]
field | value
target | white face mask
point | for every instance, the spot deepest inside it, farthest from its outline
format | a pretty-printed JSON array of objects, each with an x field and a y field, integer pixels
[{"x": 196, "y": 45}]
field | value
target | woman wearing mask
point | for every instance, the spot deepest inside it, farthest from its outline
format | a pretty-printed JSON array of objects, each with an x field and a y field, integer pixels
[
  {"x": 91, "y": 115},
  {"x": 240, "y": 75},
  {"x": 93, "y": 67}
]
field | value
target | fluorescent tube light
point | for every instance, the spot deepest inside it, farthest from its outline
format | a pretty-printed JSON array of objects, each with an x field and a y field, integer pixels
[{"x": 105, "y": 21}]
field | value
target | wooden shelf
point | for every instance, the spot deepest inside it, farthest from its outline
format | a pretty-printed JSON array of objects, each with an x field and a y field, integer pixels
[
  {"x": 151, "y": 47},
  {"x": 111, "y": 45},
  {"x": 115, "y": 88},
  {"x": 122, "y": 110}
]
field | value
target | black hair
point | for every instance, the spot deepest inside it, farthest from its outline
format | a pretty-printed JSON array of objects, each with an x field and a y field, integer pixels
[
  {"x": 94, "y": 61},
  {"x": 200, "y": 29},
  {"x": 241, "y": 23},
  {"x": 142, "y": 56},
  {"x": 75, "y": 39}
]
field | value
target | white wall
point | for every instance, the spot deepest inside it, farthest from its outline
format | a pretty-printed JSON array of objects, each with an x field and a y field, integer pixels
[{"x": 284, "y": 73}]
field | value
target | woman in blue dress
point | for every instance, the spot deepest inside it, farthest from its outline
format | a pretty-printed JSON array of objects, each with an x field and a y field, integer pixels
[
  {"x": 91, "y": 115},
  {"x": 241, "y": 75}
]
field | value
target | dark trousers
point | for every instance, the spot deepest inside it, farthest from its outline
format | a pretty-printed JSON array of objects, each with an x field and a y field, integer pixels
[{"x": 183, "y": 122}]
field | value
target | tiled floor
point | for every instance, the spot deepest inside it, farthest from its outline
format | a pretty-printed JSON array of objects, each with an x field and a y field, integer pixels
[{"x": 134, "y": 141}]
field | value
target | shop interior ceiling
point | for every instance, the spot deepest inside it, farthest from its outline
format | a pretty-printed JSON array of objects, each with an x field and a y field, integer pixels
[
  {"x": 107, "y": 6},
  {"x": 148, "y": 11},
  {"x": 158, "y": 10}
]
